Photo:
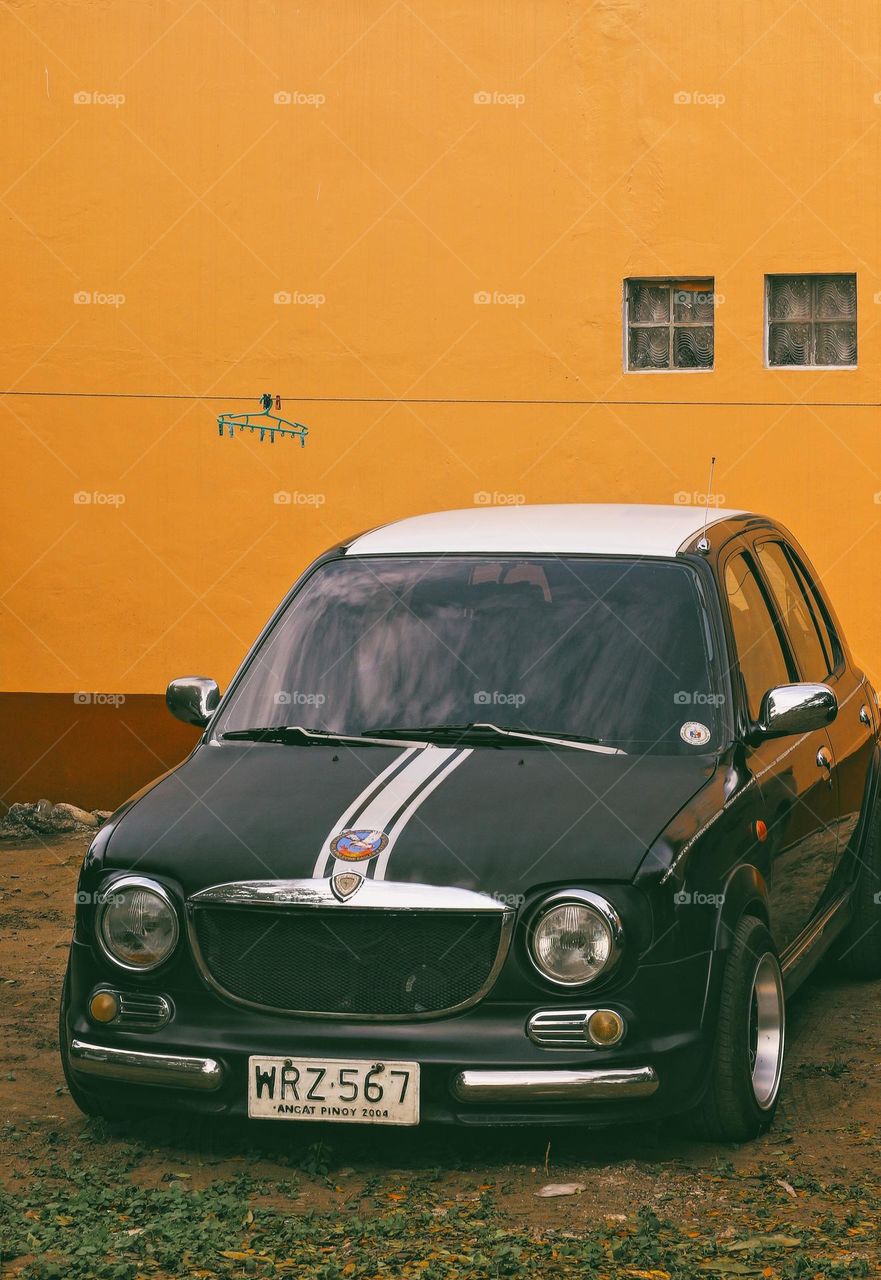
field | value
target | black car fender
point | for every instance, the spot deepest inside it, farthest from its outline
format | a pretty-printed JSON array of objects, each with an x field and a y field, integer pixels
[{"x": 745, "y": 892}]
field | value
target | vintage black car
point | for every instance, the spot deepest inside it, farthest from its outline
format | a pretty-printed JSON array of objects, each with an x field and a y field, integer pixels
[{"x": 511, "y": 815}]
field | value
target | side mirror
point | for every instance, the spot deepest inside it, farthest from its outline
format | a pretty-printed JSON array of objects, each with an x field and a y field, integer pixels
[
  {"x": 796, "y": 708},
  {"x": 193, "y": 699}
]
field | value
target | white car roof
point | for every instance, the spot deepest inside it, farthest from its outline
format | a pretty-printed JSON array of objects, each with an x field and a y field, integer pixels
[{"x": 575, "y": 528}]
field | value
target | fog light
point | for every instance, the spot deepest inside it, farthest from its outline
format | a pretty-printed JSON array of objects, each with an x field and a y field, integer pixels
[
  {"x": 104, "y": 1006},
  {"x": 605, "y": 1027}
]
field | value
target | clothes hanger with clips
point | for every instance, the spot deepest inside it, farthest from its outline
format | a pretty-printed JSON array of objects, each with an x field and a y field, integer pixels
[{"x": 265, "y": 422}]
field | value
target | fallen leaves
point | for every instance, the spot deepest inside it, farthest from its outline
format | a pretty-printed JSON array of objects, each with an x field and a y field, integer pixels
[{"x": 560, "y": 1189}]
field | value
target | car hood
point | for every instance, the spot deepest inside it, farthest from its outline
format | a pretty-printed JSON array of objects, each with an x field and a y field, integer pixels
[{"x": 498, "y": 820}]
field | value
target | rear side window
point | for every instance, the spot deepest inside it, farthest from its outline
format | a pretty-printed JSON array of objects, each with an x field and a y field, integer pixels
[
  {"x": 824, "y": 625},
  {"x": 760, "y": 654},
  {"x": 794, "y": 607}
]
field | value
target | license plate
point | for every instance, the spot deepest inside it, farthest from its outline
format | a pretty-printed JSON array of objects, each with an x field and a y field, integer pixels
[{"x": 333, "y": 1089}]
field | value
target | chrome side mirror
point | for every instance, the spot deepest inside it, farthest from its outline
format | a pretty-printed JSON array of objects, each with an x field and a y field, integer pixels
[
  {"x": 796, "y": 708},
  {"x": 193, "y": 699}
]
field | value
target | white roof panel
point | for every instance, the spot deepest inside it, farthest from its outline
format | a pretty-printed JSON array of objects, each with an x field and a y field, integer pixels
[{"x": 574, "y": 528}]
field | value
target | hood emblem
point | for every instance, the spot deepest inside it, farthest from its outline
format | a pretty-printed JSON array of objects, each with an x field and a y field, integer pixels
[
  {"x": 358, "y": 844},
  {"x": 345, "y": 883}
]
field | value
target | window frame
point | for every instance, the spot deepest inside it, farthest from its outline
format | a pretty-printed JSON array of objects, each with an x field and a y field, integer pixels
[
  {"x": 815, "y": 277},
  {"x": 669, "y": 282}
]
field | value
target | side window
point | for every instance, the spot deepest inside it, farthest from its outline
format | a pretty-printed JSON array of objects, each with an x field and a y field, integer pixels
[
  {"x": 793, "y": 606},
  {"x": 759, "y": 652},
  {"x": 819, "y": 610}
]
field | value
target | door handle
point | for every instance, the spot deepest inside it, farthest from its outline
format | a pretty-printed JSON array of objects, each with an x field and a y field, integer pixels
[
  {"x": 824, "y": 759},
  {"x": 865, "y": 716}
]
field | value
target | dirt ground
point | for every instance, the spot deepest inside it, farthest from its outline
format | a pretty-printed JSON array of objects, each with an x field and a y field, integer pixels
[{"x": 814, "y": 1181}]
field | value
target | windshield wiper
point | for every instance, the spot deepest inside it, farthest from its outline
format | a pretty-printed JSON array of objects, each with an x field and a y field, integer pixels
[
  {"x": 483, "y": 730},
  {"x": 293, "y": 733}
]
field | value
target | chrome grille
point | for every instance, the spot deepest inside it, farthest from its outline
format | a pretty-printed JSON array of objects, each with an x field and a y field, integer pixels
[{"x": 305, "y": 956}]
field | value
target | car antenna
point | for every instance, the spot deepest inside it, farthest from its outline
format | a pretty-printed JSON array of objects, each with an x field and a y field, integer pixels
[{"x": 704, "y": 542}]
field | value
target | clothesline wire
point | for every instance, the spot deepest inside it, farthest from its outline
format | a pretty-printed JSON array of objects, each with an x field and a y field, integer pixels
[{"x": 460, "y": 400}]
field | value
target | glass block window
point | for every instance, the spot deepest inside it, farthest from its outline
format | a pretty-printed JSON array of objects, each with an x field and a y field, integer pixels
[
  {"x": 669, "y": 324},
  {"x": 812, "y": 321}
]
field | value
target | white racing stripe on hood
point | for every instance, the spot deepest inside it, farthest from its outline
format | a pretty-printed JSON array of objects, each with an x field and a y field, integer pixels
[
  {"x": 396, "y": 794},
  {"x": 441, "y": 776},
  {"x": 346, "y": 819}
]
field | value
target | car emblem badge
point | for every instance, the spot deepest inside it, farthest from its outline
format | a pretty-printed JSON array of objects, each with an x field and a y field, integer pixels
[
  {"x": 345, "y": 883},
  {"x": 358, "y": 844}
]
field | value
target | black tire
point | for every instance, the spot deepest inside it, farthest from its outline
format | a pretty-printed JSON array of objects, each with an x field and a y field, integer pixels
[
  {"x": 88, "y": 1103},
  {"x": 747, "y": 1061},
  {"x": 858, "y": 950}
]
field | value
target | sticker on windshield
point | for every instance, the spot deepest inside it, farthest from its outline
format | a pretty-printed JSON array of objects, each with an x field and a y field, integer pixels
[{"x": 694, "y": 733}]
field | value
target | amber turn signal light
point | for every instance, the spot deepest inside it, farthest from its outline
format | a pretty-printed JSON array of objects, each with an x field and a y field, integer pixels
[
  {"x": 103, "y": 1006},
  {"x": 605, "y": 1027}
]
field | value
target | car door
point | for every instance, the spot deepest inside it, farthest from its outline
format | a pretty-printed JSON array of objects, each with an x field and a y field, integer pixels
[
  {"x": 794, "y": 773},
  {"x": 851, "y": 733}
]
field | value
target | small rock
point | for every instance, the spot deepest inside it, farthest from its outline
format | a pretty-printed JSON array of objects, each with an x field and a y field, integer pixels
[
  {"x": 20, "y": 814},
  {"x": 81, "y": 816}
]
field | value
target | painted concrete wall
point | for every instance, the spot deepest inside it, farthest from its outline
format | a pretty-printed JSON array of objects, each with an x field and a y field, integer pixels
[{"x": 421, "y": 154}]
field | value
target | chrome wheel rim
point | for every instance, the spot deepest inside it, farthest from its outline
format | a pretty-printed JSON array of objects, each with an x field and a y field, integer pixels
[{"x": 766, "y": 1030}]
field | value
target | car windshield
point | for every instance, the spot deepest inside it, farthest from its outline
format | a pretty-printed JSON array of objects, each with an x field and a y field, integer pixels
[{"x": 617, "y": 651}]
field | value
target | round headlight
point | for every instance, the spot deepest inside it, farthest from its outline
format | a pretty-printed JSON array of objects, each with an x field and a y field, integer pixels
[
  {"x": 137, "y": 924},
  {"x": 575, "y": 939}
]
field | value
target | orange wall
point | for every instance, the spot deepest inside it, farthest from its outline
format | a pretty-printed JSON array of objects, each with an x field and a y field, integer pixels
[{"x": 397, "y": 198}]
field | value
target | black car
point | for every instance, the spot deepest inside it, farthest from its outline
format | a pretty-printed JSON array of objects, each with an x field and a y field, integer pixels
[{"x": 510, "y": 816}]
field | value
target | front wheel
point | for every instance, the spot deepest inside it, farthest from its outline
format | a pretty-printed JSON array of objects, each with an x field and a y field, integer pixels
[{"x": 747, "y": 1061}]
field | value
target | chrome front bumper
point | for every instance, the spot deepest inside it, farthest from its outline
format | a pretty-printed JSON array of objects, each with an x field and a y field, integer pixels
[
  {"x": 171, "y": 1070},
  {"x": 554, "y": 1086},
  {"x": 177, "y": 1071}
]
